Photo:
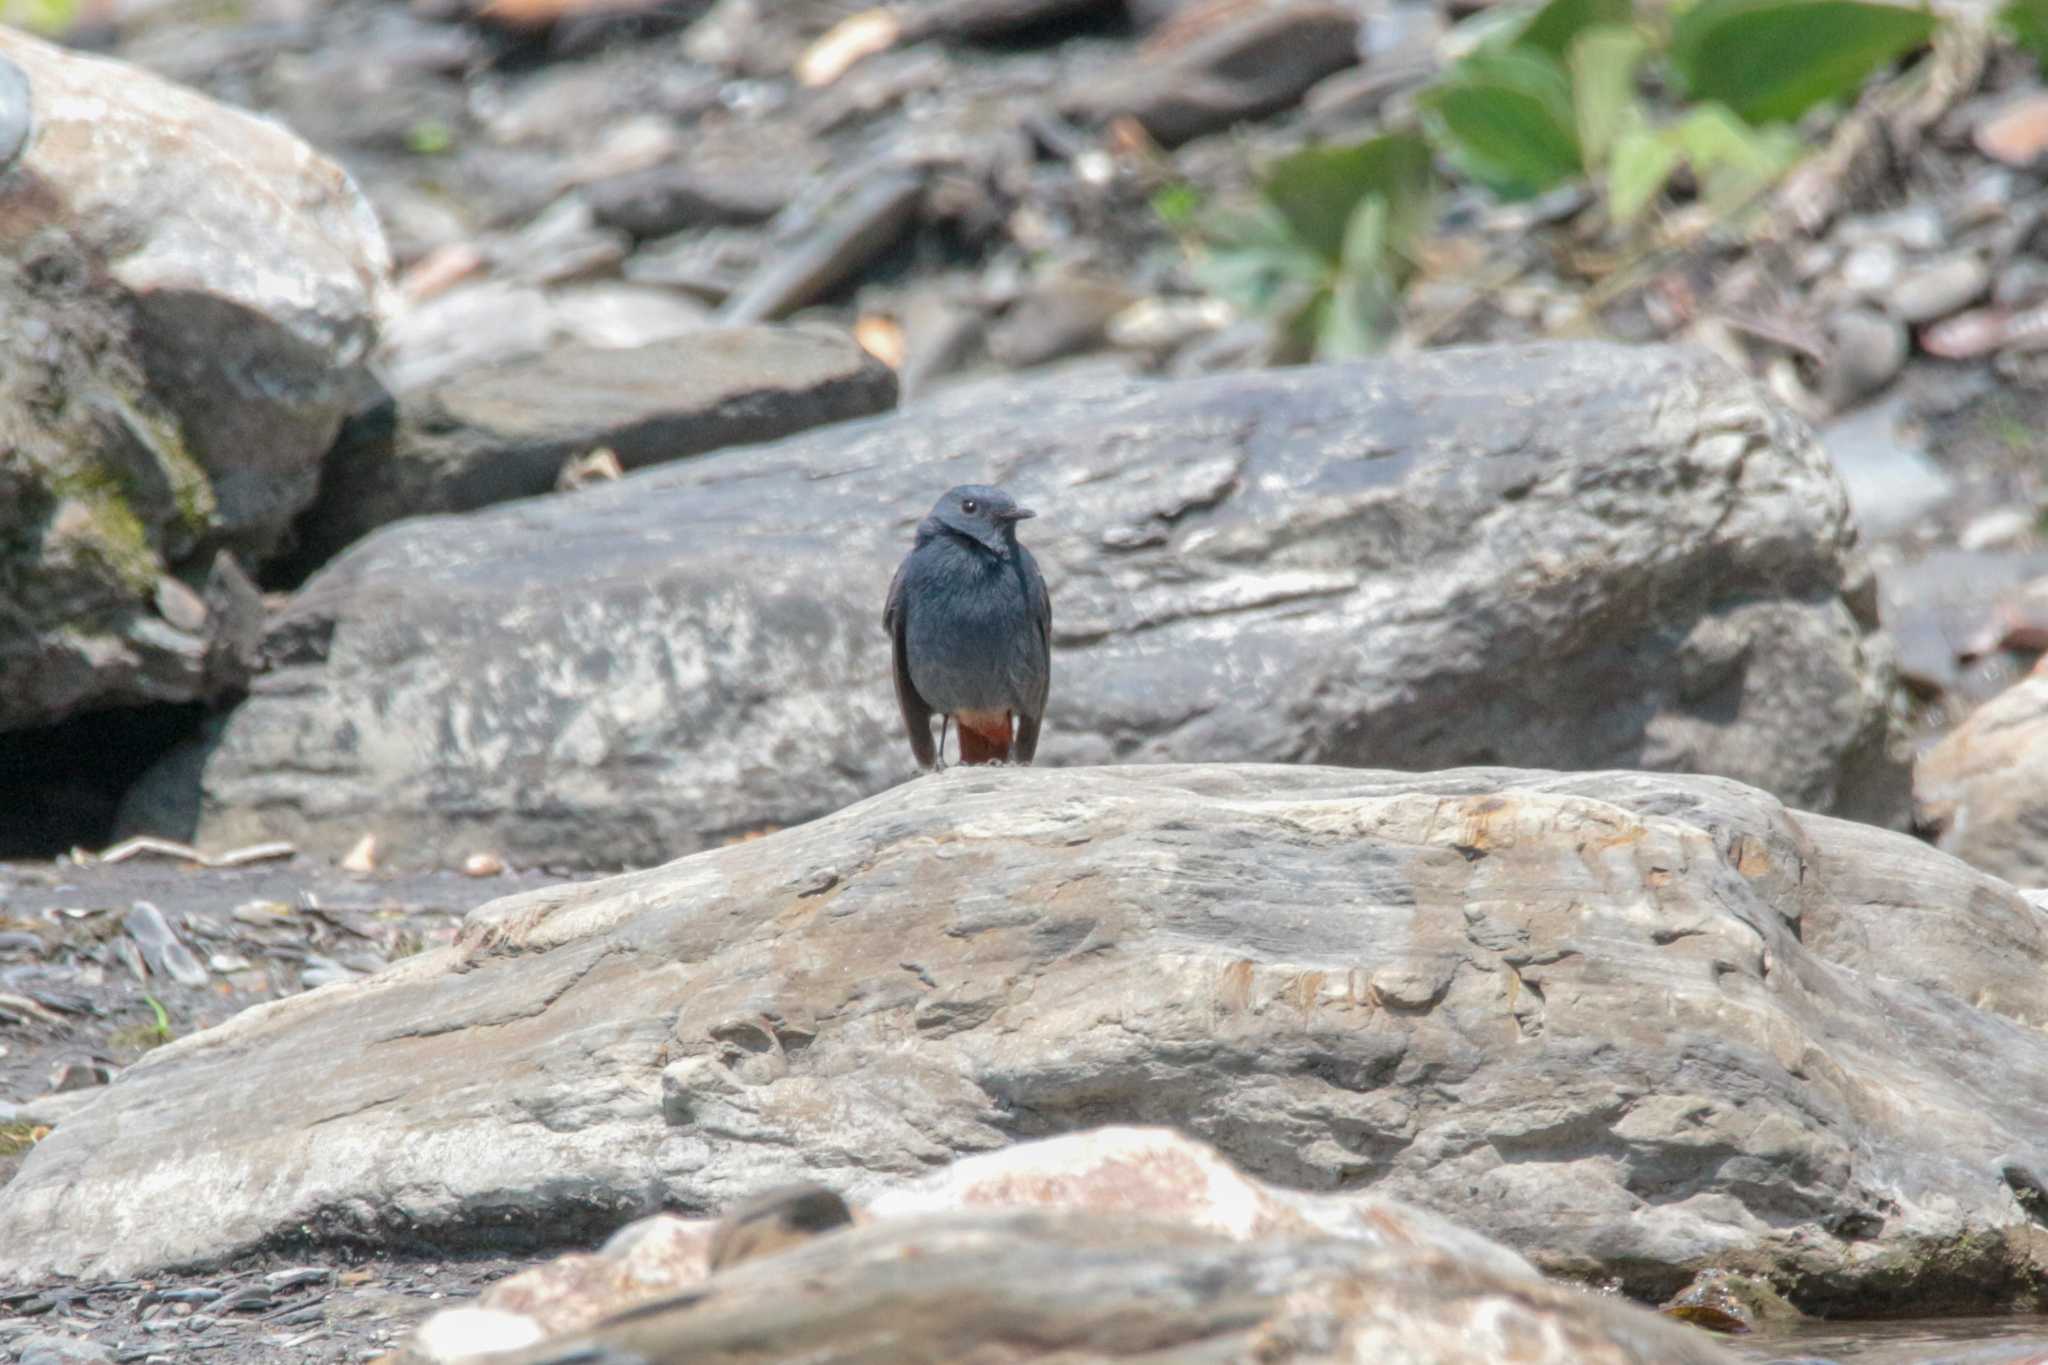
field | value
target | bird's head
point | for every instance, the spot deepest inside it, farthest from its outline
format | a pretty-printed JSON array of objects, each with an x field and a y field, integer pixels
[{"x": 983, "y": 514}]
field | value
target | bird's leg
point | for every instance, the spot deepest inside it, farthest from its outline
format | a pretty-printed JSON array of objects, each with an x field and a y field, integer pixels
[{"x": 944, "y": 722}]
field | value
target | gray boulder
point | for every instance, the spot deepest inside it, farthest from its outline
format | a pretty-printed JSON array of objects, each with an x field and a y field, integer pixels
[
  {"x": 1633, "y": 1025},
  {"x": 189, "y": 294},
  {"x": 1559, "y": 556},
  {"x": 503, "y": 431}
]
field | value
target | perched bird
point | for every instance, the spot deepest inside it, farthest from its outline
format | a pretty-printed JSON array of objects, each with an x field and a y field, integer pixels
[{"x": 970, "y": 625}]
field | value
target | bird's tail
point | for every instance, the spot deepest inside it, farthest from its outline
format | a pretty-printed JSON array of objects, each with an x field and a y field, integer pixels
[{"x": 984, "y": 738}]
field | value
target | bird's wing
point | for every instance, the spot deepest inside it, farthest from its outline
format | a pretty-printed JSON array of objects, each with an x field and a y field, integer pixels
[
  {"x": 1025, "y": 747},
  {"x": 917, "y": 716},
  {"x": 1041, "y": 609}
]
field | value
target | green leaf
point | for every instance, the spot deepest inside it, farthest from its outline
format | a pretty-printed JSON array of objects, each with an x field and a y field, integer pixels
[
  {"x": 1318, "y": 190},
  {"x": 1603, "y": 66},
  {"x": 1554, "y": 28},
  {"x": 1177, "y": 205},
  {"x": 1732, "y": 161},
  {"x": 1365, "y": 298},
  {"x": 1772, "y": 60},
  {"x": 1505, "y": 119},
  {"x": 2027, "y": 21},
  {"x": 1638, "y": 171},
  {"x": 1255, "y": 263}
]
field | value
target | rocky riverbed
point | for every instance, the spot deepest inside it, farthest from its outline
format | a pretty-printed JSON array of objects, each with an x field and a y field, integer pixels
[{"x": 1535, "y": 845}]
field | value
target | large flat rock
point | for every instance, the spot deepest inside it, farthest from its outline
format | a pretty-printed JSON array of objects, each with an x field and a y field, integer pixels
[
  {"x": 1629, "y": 1024},
  {"x": 504, "y": 431},
  {"x": 1558, "y": 556}
]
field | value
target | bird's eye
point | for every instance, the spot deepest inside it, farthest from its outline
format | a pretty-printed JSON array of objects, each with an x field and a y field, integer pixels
[{"x": 970, "y": 506}]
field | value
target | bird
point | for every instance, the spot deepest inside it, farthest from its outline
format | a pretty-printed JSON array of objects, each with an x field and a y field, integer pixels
[{"x": 970, "y": 629}]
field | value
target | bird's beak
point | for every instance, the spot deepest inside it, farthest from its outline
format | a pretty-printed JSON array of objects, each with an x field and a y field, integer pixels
[{"x": 1017, "y": 514}]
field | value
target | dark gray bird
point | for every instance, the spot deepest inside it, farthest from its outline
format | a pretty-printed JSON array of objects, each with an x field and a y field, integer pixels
[{"x": 970, "y": 624}]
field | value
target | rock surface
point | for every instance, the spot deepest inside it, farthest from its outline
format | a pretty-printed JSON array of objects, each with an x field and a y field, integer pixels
[
  {"x": 1559, "y": 556},
  {"x": 503, "y": 431},
  {"x": 1630, "y": 1024},
  {"x": 190, "y": 293},
  {"x": 1114, "y": 1283},
  {"x": 1983, "y": 790},
  {"x": 1149, "y": 1173},
  {"x": 1223, "y": 63}
]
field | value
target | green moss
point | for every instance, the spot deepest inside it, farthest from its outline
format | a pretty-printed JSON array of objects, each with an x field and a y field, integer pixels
[
  {"x": 191, "y": 490},
  {"x": 16, "y": 1138},
  {"x": 117, "y": 540}
]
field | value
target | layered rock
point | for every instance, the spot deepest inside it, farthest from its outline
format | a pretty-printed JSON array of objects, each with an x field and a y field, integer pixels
[
  {"x": 1631, "y": 1025},
  {"x": 504, "y": 431},
  {"x": 1559, "y": 556},
  {"x": 1115, "y": 1245},
  {"x": 190, "y": 293}
]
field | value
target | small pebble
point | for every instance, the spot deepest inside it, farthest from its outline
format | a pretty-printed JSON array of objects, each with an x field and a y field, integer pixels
[
  {"x": 482, "y": 865},
  {"x": 2006, "y": 526},
  {"x": 1868, "y": 349},
  {"x": 2018, "y": 133},
  {"x": 363, "y": 857},
  {"x": 1871, "y": 268},
  {"x": 1936, "y": 290}
]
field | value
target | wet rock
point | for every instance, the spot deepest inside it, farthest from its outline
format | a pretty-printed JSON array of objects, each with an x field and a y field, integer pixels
[
  {"x": 1243, "y": 64},
  {"x": 1938, "y": 289},
  {"x": 1394, "y": 980},
  {"x": 1982, "y": 792},
  {"x": 1638, "y": 527},
  {"x": 503, "y": 431},
  {"x": 191, "y": 294}
]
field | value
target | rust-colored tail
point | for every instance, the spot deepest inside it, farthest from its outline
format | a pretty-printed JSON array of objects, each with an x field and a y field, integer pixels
[{"x": 985, "y": 738}]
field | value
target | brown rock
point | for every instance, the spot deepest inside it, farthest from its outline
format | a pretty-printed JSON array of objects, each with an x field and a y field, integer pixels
[
  {"x": 1983, "y": 790},
  {"x": 775, "y": 1221},
  {"x": 2018, "y": 133}
]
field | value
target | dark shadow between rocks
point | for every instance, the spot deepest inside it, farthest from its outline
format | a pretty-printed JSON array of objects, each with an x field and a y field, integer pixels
[{"x": 61, "y": 785}]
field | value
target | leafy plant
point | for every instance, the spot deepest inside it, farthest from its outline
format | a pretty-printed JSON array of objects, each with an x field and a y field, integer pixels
[
  {"x": 143, "y": 1037},
  {"x": 1540, "y": 102},
  {"x": 1772, "y": 60},
  {"x": 47, "y": 17},
  {"x": 1329, "y": 245},
  {"x": 2027, "y": 22}
]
